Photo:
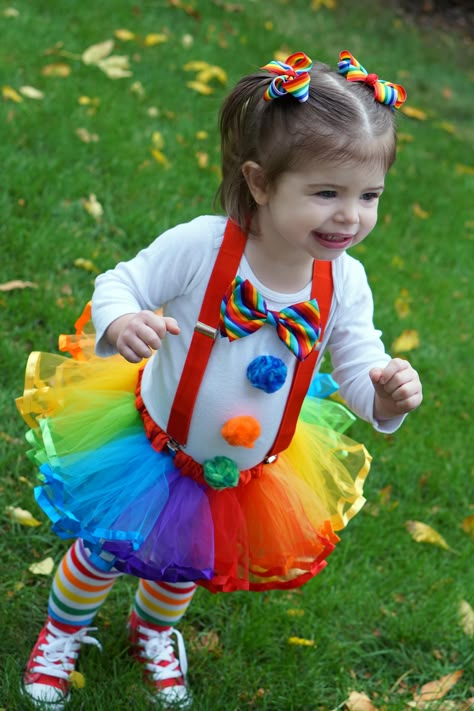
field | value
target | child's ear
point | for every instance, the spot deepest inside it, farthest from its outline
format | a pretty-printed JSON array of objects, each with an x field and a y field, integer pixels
[{"x": 256, "y": 181}]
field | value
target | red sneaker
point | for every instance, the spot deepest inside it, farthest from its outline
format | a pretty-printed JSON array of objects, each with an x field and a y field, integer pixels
[
  {"x": 54, "y": 657},
  {"x": 153, "y": 647}
]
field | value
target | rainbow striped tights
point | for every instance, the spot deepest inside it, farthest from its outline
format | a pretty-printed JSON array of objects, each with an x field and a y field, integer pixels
[{"x": 80, "y": 588}]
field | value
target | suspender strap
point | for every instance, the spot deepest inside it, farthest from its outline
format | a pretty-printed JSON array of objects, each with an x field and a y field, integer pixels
[
  {"x": 205, "y": 332},
  {"x": 322, "y": 288}
]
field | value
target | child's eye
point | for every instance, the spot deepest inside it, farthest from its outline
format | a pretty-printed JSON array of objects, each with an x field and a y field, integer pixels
[
  {"x": 327, "y": 194},
  {"x": 370, "y": 196}
]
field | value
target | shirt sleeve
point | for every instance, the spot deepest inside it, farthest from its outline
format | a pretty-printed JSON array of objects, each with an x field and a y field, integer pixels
[
  {"x": 167, "y": 268},
  {"x": 355, "y": 346}
]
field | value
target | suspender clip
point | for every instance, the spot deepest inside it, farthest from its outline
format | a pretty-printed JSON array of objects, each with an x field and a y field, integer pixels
[
  {"x": 206, "y": 330},
  {"x": 173, "y": 446},
  {"x": 272, "y": 458}
]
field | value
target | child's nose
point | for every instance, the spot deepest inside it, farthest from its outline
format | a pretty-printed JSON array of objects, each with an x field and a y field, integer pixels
[{"x": 348, "y": 213}]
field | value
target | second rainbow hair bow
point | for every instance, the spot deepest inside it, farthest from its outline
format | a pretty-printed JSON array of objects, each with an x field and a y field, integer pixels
[
  {"x": 386, "y": 92},
  {"x": 293, "y": 77}
]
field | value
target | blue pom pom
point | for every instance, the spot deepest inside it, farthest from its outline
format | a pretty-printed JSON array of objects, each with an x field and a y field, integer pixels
[{"x": 267, "y": 373}]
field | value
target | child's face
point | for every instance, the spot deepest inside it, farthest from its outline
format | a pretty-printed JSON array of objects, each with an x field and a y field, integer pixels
[{"x": 322, "y": 210}]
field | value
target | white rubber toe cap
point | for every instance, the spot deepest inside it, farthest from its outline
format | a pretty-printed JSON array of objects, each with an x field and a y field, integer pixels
[
  {"x": 178, "y": 697},
  {"x": 45, "y": 695}
]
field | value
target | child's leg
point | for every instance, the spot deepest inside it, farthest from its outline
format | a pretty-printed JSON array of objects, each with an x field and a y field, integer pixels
[
  {"x": 163, "y": 603},
  {"x": 157, "y": 608},
  {"x": 79, "y": 589}
]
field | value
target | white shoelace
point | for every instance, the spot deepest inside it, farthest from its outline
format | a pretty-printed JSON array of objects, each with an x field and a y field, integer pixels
[
  {"x": 58, "y": 648},
  {"x": 158, "y": 647}
]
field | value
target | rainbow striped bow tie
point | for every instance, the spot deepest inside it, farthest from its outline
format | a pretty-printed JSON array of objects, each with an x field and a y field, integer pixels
[{"x": 244, "y": 311}]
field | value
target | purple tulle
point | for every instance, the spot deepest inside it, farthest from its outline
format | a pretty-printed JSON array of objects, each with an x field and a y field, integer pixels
[{"x": 180, "y": 546}]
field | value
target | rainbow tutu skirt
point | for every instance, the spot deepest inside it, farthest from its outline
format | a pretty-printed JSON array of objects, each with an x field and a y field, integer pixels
[{"x": 101, "y": 479}]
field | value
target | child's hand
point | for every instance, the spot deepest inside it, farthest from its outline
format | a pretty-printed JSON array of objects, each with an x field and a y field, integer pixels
[
  {"x": 397, "y": 389},
  {"x": 135, "y": 335}
]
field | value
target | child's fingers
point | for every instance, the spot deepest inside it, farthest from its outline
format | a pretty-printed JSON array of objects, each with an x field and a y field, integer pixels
[
  {"x": 406, "y": 400},
  {"x": 375, "y": 375},
  {"x": 172, "y": 325},
  {"x": 396, "y": 366},
  {"x": 131, "y": 353},
  {"x": 389, "y": 379},
  {"x": 398, "y": 383}
]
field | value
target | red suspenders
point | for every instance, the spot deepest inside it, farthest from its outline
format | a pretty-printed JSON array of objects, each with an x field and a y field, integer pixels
[{"x": 205, "y": 332}]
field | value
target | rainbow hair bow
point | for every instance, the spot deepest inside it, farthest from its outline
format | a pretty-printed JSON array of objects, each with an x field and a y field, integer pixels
[
  {"x": 244, "y": 311},
  {"x": 293, "y": 77},
  {"x": 385, "y": 91}
]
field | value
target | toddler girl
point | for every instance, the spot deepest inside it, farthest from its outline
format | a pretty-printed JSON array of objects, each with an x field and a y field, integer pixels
[{"x": 186, "y": 451}]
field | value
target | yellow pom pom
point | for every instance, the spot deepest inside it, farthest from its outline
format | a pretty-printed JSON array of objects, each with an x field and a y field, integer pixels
[
  {"x": 241, "y": 431},
  {"x": 77, "y": 680}
]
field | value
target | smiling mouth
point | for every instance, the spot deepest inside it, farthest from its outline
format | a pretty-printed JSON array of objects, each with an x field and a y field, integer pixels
[{"x": 333, "y": 241}]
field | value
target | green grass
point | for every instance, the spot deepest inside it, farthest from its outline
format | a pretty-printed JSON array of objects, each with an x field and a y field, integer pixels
[{"x": 384, "y": 614}]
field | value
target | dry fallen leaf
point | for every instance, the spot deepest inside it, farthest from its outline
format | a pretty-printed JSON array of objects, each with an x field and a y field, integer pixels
[
  {"x": 202, "y": 159},
  {"x": 464, "y": 169},
  {"x": 359, "y": 702},
  {"x": 466, "y": 617},
  {"x": 88, "y": 101},
  {"x": 200, "y": 87},
  {"x": 419, "y": 212},
  {"x": 22, "y": 516},
  {"x": 408, "y": 340},
  {"x": 317, "y": 4},
  {"x": 10, "y": 94},
  {"x": 435, "y": 690},
  {"x": 212, "y": 72},
  {"x": 205, "y": 72},
  {"x": 414, "y": 113},
  {"x": 468, "y": 525},
  {"x": 160, "y": 157},
  {"x": 18, "y": 284},
  {"x": 446, "y": 126},
  {"x": 57, "y": 69},
  {"x": 86, "y": 136},
  {"x": 155, "y": 38},
  {"x": 187, "y": 41},
  {"x": 11, "y": 12},
  {"x": 138, "y": 89},
  {"x": 93, "y": 207},
  {"x": 116, "y": 66},
  {"x": 196, "y": 65},
  {"x": 209, "y": 641},
  {"x": 86, "y": 264},
  {"x": 124, "y": 35},
  {"x": 157, "y": 140},
  {"x": 301, "y": 642},
  {"x": 402, "y": 304},
  {"x": 96, "y": 52},
  {"x": 44, "y": 567},
  {"x": 31, "y": 93},
  {"x": 422, "y": 533}
]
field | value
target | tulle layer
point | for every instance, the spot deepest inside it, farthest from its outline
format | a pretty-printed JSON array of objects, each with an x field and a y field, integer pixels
[{"x": 102, "y": 481}]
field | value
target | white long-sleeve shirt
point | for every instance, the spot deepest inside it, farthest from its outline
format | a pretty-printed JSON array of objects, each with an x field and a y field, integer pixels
[{"x": 173, "y": 273}]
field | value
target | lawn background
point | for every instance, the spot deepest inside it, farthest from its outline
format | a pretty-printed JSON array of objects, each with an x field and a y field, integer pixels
[{"x": 384, "y": 615}]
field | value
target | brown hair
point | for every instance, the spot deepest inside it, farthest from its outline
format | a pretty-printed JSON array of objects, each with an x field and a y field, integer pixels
[{"x": 340, "y": 121}]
